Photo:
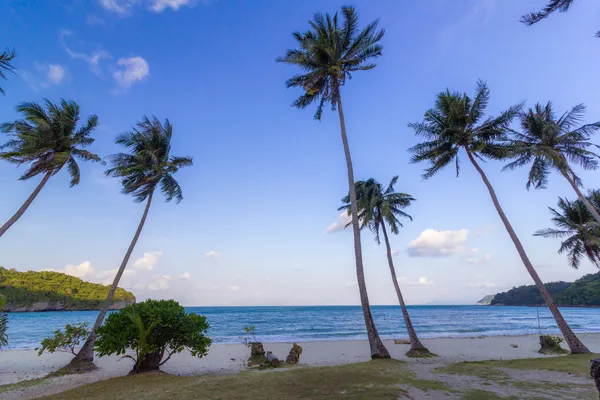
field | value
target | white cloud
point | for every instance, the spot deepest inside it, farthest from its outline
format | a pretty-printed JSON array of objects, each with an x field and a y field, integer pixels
[
  {"x": 338, "y": 226},
  {"x": 131, "y": 70},
  {"x": 94, "y": 20},
  {"x": 148, "y": 261},
  {"x": 93, "y": 59},
  {"x": 352, "y": 284},
  {"x": 125, "y": 7},
  {"x": 184, "y": 277},
  {"x": 474, "y": 258},
  {"x": 56, "y": 74},
  {"x": 434, "y": 243},
  {"x": 422, "y": 281},
  {"x": 45, "y": 76},
  {"x": 395, "y": 252},
  {"x": 234, "y": 288},
  {"x": 160, "y": 283},
  {"x": 79, "y": 271},
  {"x": 212, "y": 254},
  {"x": 107, "y": 276},
  {"x": 484, "y": 285}
]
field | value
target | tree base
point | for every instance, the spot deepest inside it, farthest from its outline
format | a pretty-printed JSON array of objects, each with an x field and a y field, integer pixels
[
  {"x": 420, "y": 353},
  {"x": 380, "y": 356},
  {"x": 76, "y": 366},
  {"x": 551, "y": 345}
]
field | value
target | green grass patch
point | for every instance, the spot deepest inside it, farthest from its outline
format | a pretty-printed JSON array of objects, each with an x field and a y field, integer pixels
[
  {"x": 483, "y": 395},
  {"x": 477, "y": 369},
  {"x": 21, "y": 385},
  {"x": 379, "y": 379}
]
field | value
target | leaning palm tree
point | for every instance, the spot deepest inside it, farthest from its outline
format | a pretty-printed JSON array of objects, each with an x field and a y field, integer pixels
[
  {"x": 6, "y": 65},
  {"x": 328, "y": 53},
  {"x": 47, "y": 140},
  {"x": 577, "y": 226},
  {"x": 147, "y": 166},
  {"x": 549, "y": 143},
  {"x": 551, "y": 7},
  {"x": 376, "y": 208},
  {"x": 456, "y": 123}
]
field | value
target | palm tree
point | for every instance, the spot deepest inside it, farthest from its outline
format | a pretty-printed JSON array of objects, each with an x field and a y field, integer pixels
[
  {"x": 148, "y": 165},
  {"x": 575, "y": 223},
  {"x": 455, "y": 123},
  {"x": 47, "y": 140},
  {"x": 549, "y": 143},
  {"x": 328, "y": 53},
  {"x": 376, "y": 207},
  {"x": 6, "y": 58},
  {"x": 551, "y": 7}
]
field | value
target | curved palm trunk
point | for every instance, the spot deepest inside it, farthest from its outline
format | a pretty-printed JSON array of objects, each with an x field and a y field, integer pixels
[
  {"x": 378, "y": 350},
  {"x": 25, "y": 205},
  {"x": 415, "y": 343},
  {"x": 86, "y": 353},
  {"x": 584, "y": 199},
  {"x": 575, "y": 345}
]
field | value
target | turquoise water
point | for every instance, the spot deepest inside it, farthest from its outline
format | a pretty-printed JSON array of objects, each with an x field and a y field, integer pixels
[{"x": 279, "y": 324}]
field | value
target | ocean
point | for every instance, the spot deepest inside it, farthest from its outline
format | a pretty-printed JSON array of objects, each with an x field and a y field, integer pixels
[{"x": 322, "y": 323}]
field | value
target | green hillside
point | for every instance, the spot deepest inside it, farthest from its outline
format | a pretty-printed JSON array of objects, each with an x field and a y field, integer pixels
[
  {"x": 58, "y": 290},
  {"x": 584, "y": 292}
]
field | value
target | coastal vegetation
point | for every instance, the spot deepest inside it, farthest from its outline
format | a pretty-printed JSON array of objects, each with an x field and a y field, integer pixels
[
  {"x": 378, "y": 206},
  {"x": 147, "y": 166},
  {"x": 328, "y": 54},
  {"x": 6, "y": 64},
  {"x": 551, "y": 7},
  {"x": 54, "y": 291},
  {"x": 67, "y": 340}
]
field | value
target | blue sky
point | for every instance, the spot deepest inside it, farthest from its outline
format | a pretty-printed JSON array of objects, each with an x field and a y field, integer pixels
[{"x": 267, "y": 179}]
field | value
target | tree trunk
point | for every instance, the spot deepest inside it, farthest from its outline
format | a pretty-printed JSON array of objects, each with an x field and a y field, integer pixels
[
  {"x": 415, "y": 343},
  {"x": 150, "y": 362},
  {"x": 86, "y": 353},
  {"x": 378, "y": 350},
  {"x": 575, "y": 345},
  {"x": 584, "y": 199},
  {"x": 25, "y": 205}
]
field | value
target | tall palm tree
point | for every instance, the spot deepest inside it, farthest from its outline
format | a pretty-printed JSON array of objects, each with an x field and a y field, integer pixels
[
  {"x": 378, "y": 206},
  {"x": 328, "y": 53},
  {"x": 550, "y": 143},
  {"x": 576, "y": 224},
  {"x": 148, "y": 165},
  {"x": 6, "y": 65},
  {"x": 456, "y": 123},
  {"x": 47, "y": 140},
  {"x": 551, "y": 7}
]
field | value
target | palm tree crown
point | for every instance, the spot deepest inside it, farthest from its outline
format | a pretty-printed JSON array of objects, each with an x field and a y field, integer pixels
[
  {"x": 581, "y": 232},
  {"x": 329, "y": 53},
  {"x": 547, "y": 142},
  {"x": 377, "y": 205},
  {"x": 6, "y": 58},
  {"x": 149, "y": 163},
  {"x": 551, "y": 7},
  {"x": 456, "y": 122},
  {"x": 49, "y": 139}
]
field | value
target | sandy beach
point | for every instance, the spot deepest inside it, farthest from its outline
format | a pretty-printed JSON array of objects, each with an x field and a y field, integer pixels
[{"x": 21, "y": 365}]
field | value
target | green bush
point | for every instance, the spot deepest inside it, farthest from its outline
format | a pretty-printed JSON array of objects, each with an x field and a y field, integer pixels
[
  {"x": 153, "y": 330},
  {"x": 65, "y": 341},
  {"x": 3, "y": 324}
]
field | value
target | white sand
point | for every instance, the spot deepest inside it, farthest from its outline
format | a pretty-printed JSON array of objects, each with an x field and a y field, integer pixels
[{"x": 19, "y": 365}]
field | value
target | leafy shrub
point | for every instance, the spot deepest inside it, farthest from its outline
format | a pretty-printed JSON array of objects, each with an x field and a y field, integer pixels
[
  {"x": 249, "y": 336},
  {"x": 65, "y": 341},
  {"x": 3, "y": 324},
  {"x": 154, "y": 330}
]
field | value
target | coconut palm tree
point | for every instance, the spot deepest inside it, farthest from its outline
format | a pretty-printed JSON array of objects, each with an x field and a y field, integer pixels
[
  {"x": 455, "y": 124},
  {"x": 6, "y": 65},
  {"x": 551, "y": 7},
  {"x": 147, "y": 166},
  {"x": 548, "y": 143},
  {"x": 328, "y": 54},
  {"x": 378, "y": 206},
  {"x": 576, "y": 224},
  {"x": 47, "y": 140}
]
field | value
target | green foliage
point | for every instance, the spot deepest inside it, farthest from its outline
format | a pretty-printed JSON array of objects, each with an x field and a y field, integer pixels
[
  {"x": 153, "y": 327},
  {"x": 583, "y": 292},
  {"x": 378, "y": 205},
  {"x": 250, "y": 335},
  {"x": 329, "y": 53},
  {"x": 65, "y": 341},
  {"x": 551, "y": 7},
  {"x": 3, "y": 324},
  {"x": 47, "y": 140},
  {"x": 6, "y": 58},
  {"x": 26, "y": 288},
  {"x": 148, "y": 164},
  {"x": 457, "y": 122},
  {"x": 577, "y": 226},
  {"x": 547, "y": 142}
]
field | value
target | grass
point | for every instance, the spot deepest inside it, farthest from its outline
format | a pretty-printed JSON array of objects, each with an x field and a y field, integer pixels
[
  {"x": 22, "y": 385},
  {"x": 380, "y": 379}
]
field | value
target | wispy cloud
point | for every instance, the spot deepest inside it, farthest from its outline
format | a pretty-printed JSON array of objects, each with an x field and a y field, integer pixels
[
  {"x": 338, "y": 226},
  {"x": 434, "y": 243},
  {"x": 44, "y": 76},
  {"x": 131, "y": 70},
  {"x": 126, "y": 7},
  {"x": 212, "y": 254},
  {"x": 93, "y": 59},
  {"x": 148, "y": 260}
]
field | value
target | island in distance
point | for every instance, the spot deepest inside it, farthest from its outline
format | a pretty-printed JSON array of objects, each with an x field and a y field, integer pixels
[
  {"x": 55, "y": 291},
  {"x": 584, "y": 292}
]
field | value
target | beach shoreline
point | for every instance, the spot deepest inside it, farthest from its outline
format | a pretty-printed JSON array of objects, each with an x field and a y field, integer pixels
[{"x": 20, "y": 365}]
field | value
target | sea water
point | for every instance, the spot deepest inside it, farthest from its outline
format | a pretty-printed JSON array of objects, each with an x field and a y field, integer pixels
[{"x": 322, "y": 323}]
